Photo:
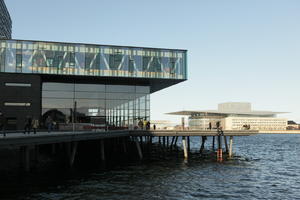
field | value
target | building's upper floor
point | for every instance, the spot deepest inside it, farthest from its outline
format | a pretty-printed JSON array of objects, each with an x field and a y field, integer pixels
[
  {"x": 40, "y": 57},
  {"x": 5, "y": 22}
]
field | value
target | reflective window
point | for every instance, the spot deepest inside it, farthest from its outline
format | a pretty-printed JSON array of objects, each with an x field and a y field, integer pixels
[
  {"x": 91, "y": 60},
  {"x": 85, "y": 104}
]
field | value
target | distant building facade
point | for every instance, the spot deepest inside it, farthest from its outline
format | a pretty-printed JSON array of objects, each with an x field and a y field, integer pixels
[
  {"x": 5, "y": 22},
  {"x": 235, "y": 116}
]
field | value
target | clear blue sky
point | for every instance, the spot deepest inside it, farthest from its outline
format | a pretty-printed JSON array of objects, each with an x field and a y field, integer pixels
[{"x": 237, "y": 50}]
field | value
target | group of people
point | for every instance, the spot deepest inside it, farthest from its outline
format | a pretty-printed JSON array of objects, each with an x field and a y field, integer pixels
[
  {"x": 31, "y": 124},
  {"x": 218, "y": 125},
  {"x": 246, "y": 127},
  {"x": 144, "y": 125}
]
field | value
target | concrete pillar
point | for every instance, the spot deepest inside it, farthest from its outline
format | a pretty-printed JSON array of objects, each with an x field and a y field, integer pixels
[
  {"x": 230, "y": 146},
  {"x": 225, "y": 143},
  {"x": 213, "y": 143},
  {"x": 188, "y": 144},
  {"x": 184, "y": 144},
  {"x": 202, "y": 143},
  {"x": 73, "y": 153},
  {"x": 172, "y": 142},
  {"x": 139, "y": 149},
  {"x": 53, "y": 149},
  {"x": 102, "y": 150},
  {"x": 36, "y": 155},
  {"x": 25, "y": 158},
  {"x": 167, "y": 141},
  {"x": 219, "y": 152},
  {"x": 124, "y": 145}
]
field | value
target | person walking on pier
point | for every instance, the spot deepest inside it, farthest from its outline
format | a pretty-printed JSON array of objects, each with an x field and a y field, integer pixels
[
  {"x": 140, "y": 124},
  {"x": 35, "y": 125},
  {"x": 2, "y": 124},
  {"x": 28, "y": 124},
  {"x": 209, "y": 126},
  {"x": 148, "y": 125},
  {"x": 218, "y": 125},
  {"x": 49, "y": 123}
]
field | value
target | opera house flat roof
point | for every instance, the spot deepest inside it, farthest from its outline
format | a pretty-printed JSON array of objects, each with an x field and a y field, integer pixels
[{"x": 256, "y": 113}]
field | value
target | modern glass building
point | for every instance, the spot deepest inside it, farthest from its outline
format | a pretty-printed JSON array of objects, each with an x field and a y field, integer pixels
[
  {"x": 90, "y": 85},
  {"x": 5, "y": 22}
]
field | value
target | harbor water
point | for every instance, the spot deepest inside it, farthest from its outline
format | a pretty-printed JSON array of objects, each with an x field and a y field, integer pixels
[{"x": 264, "y": 167}]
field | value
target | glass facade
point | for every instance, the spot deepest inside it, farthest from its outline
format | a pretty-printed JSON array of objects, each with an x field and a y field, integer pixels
[
  {"x": 5, "y": 22},
  {"x": 95, "y": 105},
  {"x": 39, "y": 57}
]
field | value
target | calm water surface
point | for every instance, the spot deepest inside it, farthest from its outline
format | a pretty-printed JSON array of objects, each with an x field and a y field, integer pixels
[{"x": 265, "y": 167}]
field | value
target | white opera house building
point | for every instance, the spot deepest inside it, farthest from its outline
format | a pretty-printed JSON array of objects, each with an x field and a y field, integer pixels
[{"x": 234, "y": 116}]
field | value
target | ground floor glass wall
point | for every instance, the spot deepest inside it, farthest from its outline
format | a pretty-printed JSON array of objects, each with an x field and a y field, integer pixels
[{"x": 91, "y": 106}]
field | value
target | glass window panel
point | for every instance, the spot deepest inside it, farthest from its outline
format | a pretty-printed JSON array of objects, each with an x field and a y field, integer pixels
[
  {"x": 58, "y": 86},
  {"x": 57, "y": 103},
  {"x": 120, "y": 95},
  {"x": 80, "y": 60},
  {"x": 10, "y": 60},
  {"x": 143, "y": 89},
  {"x": 90, "y": 95},
  {"x": 120, "y": 88},
  {"x": 57, "y": 94},
  {"x": 90, "y": 103},
  {"x": 90, "y": 87}
]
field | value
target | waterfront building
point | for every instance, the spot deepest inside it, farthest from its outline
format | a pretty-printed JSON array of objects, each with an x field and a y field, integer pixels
[
  {"x": 234, "y": 116},
  {"x": 83, "y": 82},
  {"x": 89, "y": 85},
  {"x": 5, "y": 22}
]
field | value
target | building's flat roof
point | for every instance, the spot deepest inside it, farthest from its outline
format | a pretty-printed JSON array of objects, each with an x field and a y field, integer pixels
[
  {"x": 118, "y": 46},
  {"x": 190, "y": 112}
]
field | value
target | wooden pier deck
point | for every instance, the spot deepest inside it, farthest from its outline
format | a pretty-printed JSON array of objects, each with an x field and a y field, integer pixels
[
  {"x": 191, "y": 132},
  {"x": 111, "y": 141},
  {"x": 20, "y": 139}
]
